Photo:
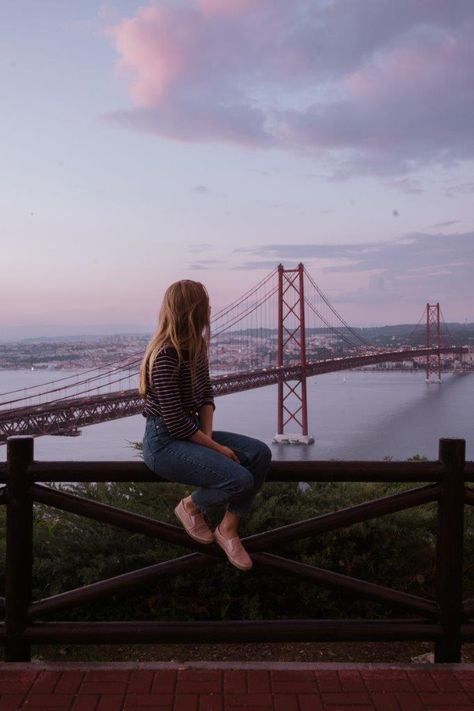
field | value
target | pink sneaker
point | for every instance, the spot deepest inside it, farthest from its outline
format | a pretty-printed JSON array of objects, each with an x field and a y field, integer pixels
[
  {"x": 234, "y": 550},
  {"x": 195, "y": 525}
]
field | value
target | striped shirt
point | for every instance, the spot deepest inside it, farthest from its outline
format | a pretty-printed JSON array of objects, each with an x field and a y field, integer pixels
[{"x": 170, "y": 395}]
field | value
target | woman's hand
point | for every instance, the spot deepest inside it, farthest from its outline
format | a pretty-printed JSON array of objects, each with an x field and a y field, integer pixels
[{"x": 228, "y": 452}]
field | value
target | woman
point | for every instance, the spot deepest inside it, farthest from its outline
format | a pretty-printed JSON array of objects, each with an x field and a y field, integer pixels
[{"x": 179, "y": 443}]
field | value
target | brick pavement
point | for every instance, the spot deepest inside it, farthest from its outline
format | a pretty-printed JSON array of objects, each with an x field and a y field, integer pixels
[{"x": 207, "y": 686}]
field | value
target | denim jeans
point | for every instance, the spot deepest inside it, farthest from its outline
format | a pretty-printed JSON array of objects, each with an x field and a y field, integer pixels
[{"x": 221, "y": 480}]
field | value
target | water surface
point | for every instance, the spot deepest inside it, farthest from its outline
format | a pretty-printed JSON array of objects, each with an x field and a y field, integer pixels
[{"x": 352, "y": 415}]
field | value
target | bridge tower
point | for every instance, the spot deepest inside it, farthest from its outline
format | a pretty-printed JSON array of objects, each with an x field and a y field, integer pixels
[
  {"x": 433, "y": 339},
  {"x": 292, "y": 399}
]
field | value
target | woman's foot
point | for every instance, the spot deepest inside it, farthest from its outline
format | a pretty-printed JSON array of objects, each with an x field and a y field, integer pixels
[
  {"x": 193, "y": 521},
  {"x": 234, "y": 550}
]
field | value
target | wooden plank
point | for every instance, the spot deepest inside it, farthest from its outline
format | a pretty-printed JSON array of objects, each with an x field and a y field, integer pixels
[
  {"x": 140, "y": 632},
  {"x": 122, "y": 583},
  {"x": 449, "y": 550},
  {"x": 343, "y": 517},
  {"x": 469, "y": 495},
  {"x": 355, "y": 586},
  {"x": 19, "y": 549},
  {"x": 113, "y": 515},
  {"x": 468, "y": 607},
  {"x": 310, "y": 471},
  {"x": 467, "y": 632}
]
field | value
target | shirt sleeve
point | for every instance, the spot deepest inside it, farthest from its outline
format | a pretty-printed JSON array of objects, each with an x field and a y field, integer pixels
[
  {"x": 208, "y": 395},
  {"x": 165, "y": 383}
]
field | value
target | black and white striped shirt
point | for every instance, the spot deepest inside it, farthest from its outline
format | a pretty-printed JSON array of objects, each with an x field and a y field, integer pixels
[{"x": 170, "y": 395}]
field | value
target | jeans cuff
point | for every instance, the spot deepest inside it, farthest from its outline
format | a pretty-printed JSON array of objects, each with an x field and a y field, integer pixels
[
  {"x": 201, "y": 510},
  {"x": 238, "y": 512}
]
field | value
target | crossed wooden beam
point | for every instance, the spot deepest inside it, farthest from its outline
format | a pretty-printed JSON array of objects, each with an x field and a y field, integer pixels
[{"x": 205, "y": 555}]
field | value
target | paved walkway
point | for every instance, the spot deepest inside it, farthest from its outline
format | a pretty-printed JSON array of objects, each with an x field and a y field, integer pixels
[{"x": 236, "y": 687}]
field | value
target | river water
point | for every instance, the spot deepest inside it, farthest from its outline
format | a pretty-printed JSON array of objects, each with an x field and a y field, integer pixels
[{"x": 352, "y": 415}]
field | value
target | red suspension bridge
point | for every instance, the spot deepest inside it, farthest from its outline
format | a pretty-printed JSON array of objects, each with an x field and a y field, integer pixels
[{"x": 282, "y": 331}]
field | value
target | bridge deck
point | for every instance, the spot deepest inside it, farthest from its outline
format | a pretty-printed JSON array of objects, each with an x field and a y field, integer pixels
[{"x": 66, "y": 415}]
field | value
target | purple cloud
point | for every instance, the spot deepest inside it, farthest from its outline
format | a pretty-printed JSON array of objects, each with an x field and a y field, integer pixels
[
  {"x": 461, "y": 189},
  {"x": 435, "y": 266},
  {"x": 376, "y": 86},
  {"x": 448, "y": 223}
]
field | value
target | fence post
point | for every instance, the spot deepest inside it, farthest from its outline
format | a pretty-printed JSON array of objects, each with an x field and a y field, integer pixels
[
  {"x": 19, "y": 548},
  {"x": 449, "y": 550}
]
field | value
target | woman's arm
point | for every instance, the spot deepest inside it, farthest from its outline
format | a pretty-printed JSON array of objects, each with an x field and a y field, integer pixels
[
  {"x": 203, "y": 439},
  {"x": 165, "y": 376},
  {"x": 206, "y": 413},
  {"x": 208, "y": 394}
]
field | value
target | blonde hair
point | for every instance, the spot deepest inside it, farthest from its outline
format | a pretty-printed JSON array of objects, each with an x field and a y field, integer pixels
[{"x": 183, "y": 323}]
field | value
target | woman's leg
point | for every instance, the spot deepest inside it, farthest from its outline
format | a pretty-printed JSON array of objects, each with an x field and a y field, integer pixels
[
  {"x": 221, "y": 479},
  {"x": 255, "y": 456}
]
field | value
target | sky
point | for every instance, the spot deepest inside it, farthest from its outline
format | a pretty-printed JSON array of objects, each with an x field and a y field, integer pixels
[{"x": 146, "y": 142}]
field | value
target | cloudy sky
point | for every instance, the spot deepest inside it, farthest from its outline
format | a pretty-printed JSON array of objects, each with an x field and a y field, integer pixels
[{"x": 144, "y": 142}]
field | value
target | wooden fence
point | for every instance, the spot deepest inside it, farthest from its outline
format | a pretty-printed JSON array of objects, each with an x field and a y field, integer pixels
[{"x": 446, "y": 619}]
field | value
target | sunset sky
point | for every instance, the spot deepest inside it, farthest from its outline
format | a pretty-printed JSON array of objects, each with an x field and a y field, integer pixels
[{"x": 145, "y": 142}]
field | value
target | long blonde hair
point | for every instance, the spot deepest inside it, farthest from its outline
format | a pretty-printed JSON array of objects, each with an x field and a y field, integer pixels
[{"x": 183, "y": 323}]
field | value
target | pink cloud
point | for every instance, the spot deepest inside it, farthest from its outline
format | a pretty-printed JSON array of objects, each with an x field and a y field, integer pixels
[
  {"x": 228, "y": 7},
  {"x": 379, "y": 87},
  {"x": 151, "y": 53},
  {"x": 407, "y": 70}
]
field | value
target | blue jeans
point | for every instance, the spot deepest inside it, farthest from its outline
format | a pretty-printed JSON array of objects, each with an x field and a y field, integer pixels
[{"x": 222, "y": 480}]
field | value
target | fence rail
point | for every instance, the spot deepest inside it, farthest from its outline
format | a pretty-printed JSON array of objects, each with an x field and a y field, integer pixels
[{"x": 445, "y": 619}]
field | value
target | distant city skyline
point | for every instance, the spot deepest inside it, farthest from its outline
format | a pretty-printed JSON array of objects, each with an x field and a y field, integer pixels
[{"x": 149, "y": 141}]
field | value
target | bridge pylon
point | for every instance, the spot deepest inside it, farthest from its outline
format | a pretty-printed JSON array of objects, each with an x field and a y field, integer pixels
[
  {"x": 292, "y": 398},
  {"x": 433, "y": 338}
]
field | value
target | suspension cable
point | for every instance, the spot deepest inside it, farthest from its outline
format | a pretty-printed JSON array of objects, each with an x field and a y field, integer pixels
[
  {"x": 74, "y": 396},
  {"x": 333, "y": 329},
  {"x": 412, "y": 332},
  {"x": 67, "y": 377},
  {"x": 76, "y": 384},
  {"x": 249, "y": 309},
  {"x": 450, "y": 335},
  {"x": 223, "y": 312},
  {"x": 336, "y": 313}
]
